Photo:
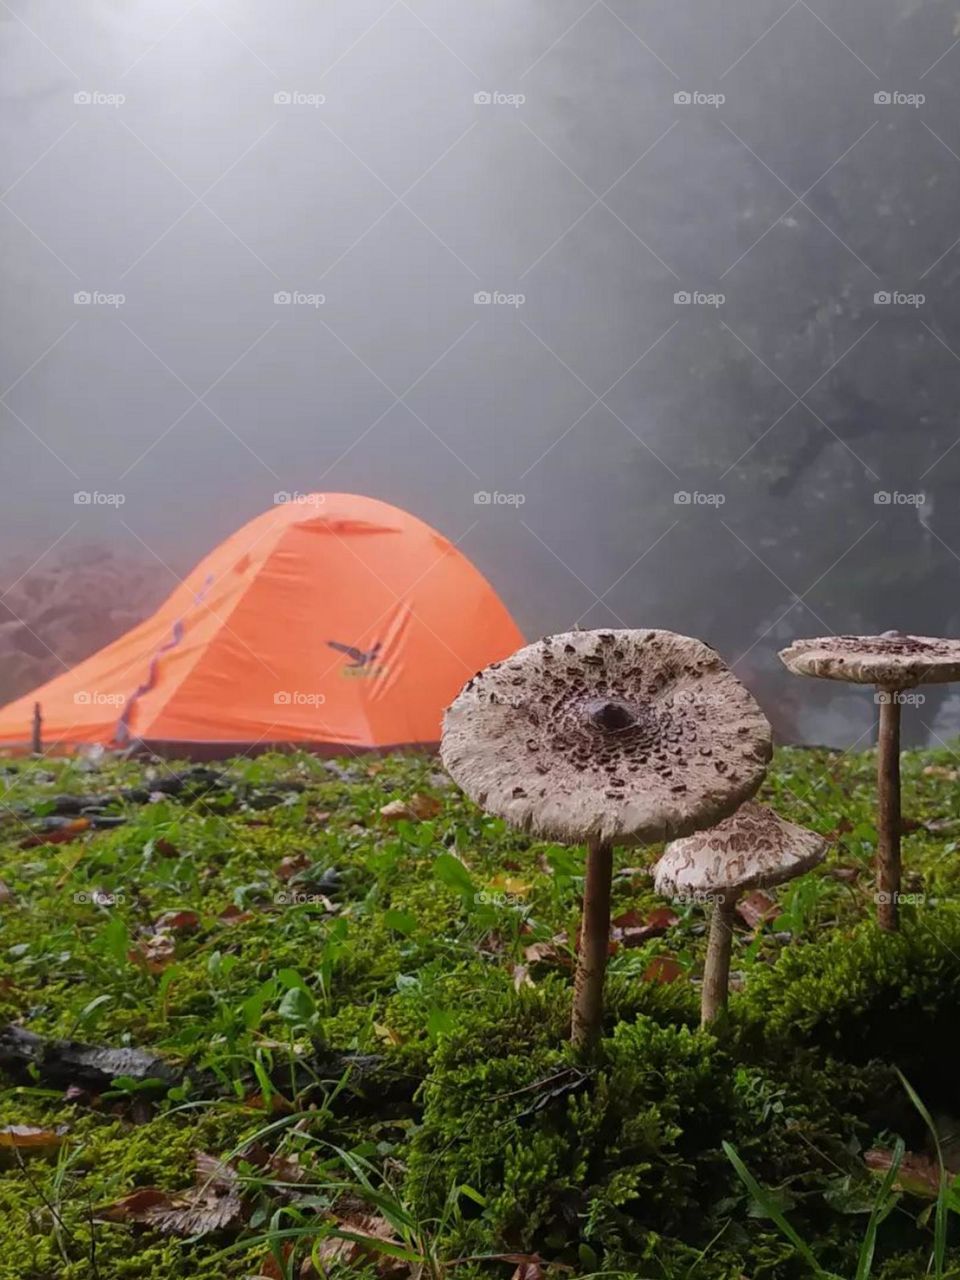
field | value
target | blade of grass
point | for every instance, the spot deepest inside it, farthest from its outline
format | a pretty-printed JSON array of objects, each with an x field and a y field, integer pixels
[
  {"x": 773, "y": 1211},
  {"x": 940, "y": 1217},
  {"x": 877, "y": 1214}
]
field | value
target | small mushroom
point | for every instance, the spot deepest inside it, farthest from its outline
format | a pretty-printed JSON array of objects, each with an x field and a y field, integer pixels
[
  {"x": 893, "y": 662},
  {"x": 753, "y": 849},
  {"x": 606, "y": 737}
]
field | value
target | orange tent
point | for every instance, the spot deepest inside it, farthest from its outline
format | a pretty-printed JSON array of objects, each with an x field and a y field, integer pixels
[{"x": 332, "y": 622}]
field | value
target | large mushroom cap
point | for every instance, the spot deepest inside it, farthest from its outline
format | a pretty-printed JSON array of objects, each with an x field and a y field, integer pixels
[
  {"x": 893, "y": 660},
  {"x": 753, "y": 848},
  {"x": 627, "y": 736}
]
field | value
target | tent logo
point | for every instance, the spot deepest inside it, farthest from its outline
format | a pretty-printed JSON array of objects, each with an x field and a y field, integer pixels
[{"x": 362, "y": 661}]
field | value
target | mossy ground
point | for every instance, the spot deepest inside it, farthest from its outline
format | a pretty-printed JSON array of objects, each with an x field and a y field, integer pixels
[{"x": 321, "y": 923}]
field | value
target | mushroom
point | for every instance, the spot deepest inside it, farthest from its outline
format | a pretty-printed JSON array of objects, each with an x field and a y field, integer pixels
[
  {"x": 606, "y": 737},
  {"x": 755, "y": 848},
  {"x": 893, "y": 662}
]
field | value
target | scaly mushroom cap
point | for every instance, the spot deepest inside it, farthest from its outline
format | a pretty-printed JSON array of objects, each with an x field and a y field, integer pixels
[
  {"x": 752, "y": 848},
  {"x": 892, "y": 660},
  {"x": 627, "y": 736}
]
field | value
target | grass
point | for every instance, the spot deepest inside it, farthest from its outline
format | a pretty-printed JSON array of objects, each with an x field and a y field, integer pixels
[{"x": 247, "y": 931}]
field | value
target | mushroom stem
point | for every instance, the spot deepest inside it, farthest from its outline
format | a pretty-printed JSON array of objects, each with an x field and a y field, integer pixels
[
  {"x": 716, "y": 968},
  {"x": 594, "y": 946},
  {"x": 888, "y": 809}
]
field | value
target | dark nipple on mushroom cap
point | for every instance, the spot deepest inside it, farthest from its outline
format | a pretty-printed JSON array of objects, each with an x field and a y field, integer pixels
[{"x": 610, "y": 714}]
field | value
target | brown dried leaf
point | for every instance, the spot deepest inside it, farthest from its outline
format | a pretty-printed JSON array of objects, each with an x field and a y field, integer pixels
[
  {"x": 757, "y": 908},
  {"x": 182, "y": 921},
  {"x": 424, "y": 807},
  {"x": 521, "y": 977},
  {"x": 632, "y": 929},
  {"x": 24, "y": 1137},
  {"x": 235, "y": 915},
  {"x": 293, "y": 863},
  {"x": 153, "y": 954},
  {"x": 662, "y": 969},
  {"x": 419, "y": 808},
  {"x": 6, "y": 893},
  {"x": 918, "y": 1175}
]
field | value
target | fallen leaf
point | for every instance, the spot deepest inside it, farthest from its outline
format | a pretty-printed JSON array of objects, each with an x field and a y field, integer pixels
[
  {"x": 425, "y": 807},
  {"x": 212, "y": 1204},
  {"x": 290, "y": 865},
  {"x": 370, "y": 1231},
  {"x": 918, "y": 1175},
  {"x": 757, "y": 908},
  {"x": 941, "y": 771},
  {"x": 528, "y": 1268},
  {"x": 521, "y": 977},
  {"x": 153, "y": 954},
  {"x": 234, "y": 915},
  {"x": 183, "y": 921},
  {"x": 387, "y": 1034},
  {"x": 633, "y": 929},
  {"x": 845, "y": 874},
  {"x": 397, "y": 811},
  {"x": 509, "y": 884},
  {"x": 6, "y": 893},
  {"x": 553, "y": 952},
  {"x": 24, "y": 1137},
  {"x": 662, "y": 969},
  {"x": 419, "y": 808}
]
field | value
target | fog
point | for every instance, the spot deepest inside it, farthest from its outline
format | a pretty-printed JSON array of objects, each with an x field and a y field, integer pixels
[{"x": 714, "y": 389}]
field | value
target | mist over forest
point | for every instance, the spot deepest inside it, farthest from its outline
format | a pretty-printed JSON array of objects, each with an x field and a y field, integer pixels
[{"x": 714, "y": 386}]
